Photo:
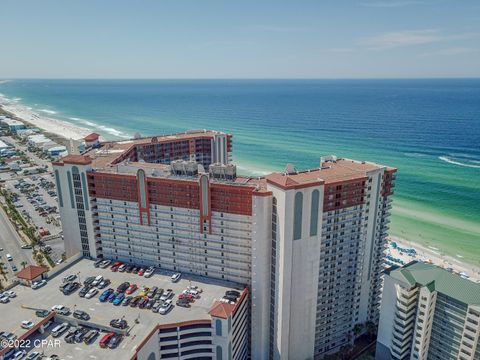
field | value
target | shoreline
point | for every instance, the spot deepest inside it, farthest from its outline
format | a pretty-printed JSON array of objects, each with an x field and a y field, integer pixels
[
  {"x": 433, "y": 255},
  {"x": 46, "y": 124}
]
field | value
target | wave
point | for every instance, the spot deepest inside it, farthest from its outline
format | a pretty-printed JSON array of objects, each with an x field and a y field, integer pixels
[
  {"x": 414, "y": 154},
  {"x": 450, "y": 161},
  {"x": 110, "y": 130},
  {"x": 48, "y": 111}
]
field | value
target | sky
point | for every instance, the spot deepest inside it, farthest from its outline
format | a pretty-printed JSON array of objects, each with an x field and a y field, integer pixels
[{"x": 239, "y": 39}]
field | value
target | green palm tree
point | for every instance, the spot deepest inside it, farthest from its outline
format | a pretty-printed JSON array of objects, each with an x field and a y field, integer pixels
[{"x": 23, "y": 263}]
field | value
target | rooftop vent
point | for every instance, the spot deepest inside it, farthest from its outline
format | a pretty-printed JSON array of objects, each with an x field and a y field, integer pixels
[
  {"x": 223, "y": 171},
  {"x": 290, "y": 169}
]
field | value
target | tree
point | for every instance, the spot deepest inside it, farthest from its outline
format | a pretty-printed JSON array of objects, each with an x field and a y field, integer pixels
[
  {"x": 371, "y": 329},
  {"x": 23, "y": 263}
]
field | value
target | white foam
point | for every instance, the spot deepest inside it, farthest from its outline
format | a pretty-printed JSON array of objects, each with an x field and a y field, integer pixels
[
  {"x": 48, "y": 111},
  {"x": 450, "y": 161}
]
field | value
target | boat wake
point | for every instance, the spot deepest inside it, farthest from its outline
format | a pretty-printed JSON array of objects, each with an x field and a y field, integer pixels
[{"x": 450, "y": 161}]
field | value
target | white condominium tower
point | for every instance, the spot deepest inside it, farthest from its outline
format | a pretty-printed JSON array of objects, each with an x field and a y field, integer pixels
[
  {"x": 428, "y": 313},
  {"x": 308, "y": 244}
]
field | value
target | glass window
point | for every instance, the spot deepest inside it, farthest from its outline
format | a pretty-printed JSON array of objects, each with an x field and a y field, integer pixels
[
  {"x": 314, "y": 213},
  {"x": 297, "y": 216},
  {"x": 218, "y": 327}
]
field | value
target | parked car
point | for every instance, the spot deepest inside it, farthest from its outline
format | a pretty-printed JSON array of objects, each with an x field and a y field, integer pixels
[
  {"x": 135, "y": 301},
  {"x": 144, "y": 291},
  {"x": 114, "y": 341},
  {"x": 141, "y": 272},
  {"x": 183, "y": 303},
  {"x": 129, "y": 268},
  {"x": 122, "y": 267},
  {"x": 187, "y": 297},
  {"x": 105, "y": 339},
  {"x": 4, "y": 299},
  {"x": 42, "y": 313},
  {"x": 38, "y": 284},
  {"x": 60, "y": 329},
  {"x": 167, "y": 295},
  {"x": 175, "y": 277},
  {"x": 149, "y": 272},
  {"x": 112, "y": 296},
  {"x": 149, "y": 304},
  {"x": 103, "y": 284},
  {"x": 89, "y": 280},
  {"x": 90, "y": 336},
  {"x": 91, "y": 293},
  {"x": 152, "y": 292},
  {"x": 119, "y": 323},
  {"x": 69, "y": 278},
  {"x": 98, "y": 263},
  {"x": 127, "y": 300},
  {"x": 80, "y": 333},
  {"x": 118, "y": 300},
  {"x": 156, "y": 306},
  {"x": 27, "y": 324},
  {"x": 105, "y": 263},
  {"x": 142, "y": 303},
  {"x": 83, "y": 291},
  {"x": 97, "y": 280},
  {"x": 33, "y": 355},
  {"x": 26, "y": 246},
  {"x": 104, "y": 296},
  {"x": 123, "y": 287},
  {"x": 60, "y": 309},
  {"x": 80, "y": 314},
  {"x": 70, "y": 288},
  {"x": 19, "y": 355},
  {"x": 166, "y": 307},
  {"x": 10, "y": 293},
  {"x": 131, "y": 289}
]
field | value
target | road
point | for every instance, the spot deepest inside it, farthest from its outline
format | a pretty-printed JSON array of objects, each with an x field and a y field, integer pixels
[{"x": 11, "y": 243}]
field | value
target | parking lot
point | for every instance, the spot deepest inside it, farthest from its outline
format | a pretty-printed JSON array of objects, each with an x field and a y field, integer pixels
[{"x": 140, "y": 321}]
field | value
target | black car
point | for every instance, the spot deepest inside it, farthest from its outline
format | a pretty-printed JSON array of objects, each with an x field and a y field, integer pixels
[
  {"x": 135, "y": 301},
  {"x": 129, "y": 268},
  {"x": 150, "y": 304},
  {"x": 84, "y": 291},
  {"x": 70, "y": 288},
  {"x": 42, "y": 313},
  {"x": 82, "y": 315},
  {"x": 123, "y": 287},
  {"x": 80, "y": 334},
  {"x": 232, "y": 293},
  {"x": 89, "y": 280},
  {"x": 114, "y": 341},
  {"x": 183, "y": 303},
  {"x": 119, "y": 323},
  {"x": 152, "y": 292}
]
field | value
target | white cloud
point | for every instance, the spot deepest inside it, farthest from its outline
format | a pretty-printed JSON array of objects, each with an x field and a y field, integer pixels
[{"x": 401, "y": 38}]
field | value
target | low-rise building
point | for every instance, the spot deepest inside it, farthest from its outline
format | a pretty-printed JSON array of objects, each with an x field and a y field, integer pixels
[
  {"x": 428, "y": 313},
  {"x": 12, "y": 125}
]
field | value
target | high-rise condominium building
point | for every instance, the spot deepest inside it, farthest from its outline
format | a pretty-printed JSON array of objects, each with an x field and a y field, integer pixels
[
  {"x": 308, "y": 244},
  {"x": 428, "y": 313}
]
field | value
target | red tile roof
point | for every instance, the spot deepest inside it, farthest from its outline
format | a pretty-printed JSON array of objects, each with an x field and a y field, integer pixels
[
  {"x": 31, "y": 272},
  {"x": 77, "y": 159},
  {"x": 221, "y": 310},
  {"x": 91, "y": 137}
]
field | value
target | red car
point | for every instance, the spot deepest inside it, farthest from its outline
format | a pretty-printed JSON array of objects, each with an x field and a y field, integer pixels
[
  {"x": 106, "y": 339},
  {"x": 189, "y": 297},
  {"x": 116, "y": 265},
  {"x": 141, "y": 271},
  {"x": 131, "y": 289}
]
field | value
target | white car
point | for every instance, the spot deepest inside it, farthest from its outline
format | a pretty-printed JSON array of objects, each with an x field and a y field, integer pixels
[
  {"x": 166, "y": 307},
  {"x": 69, "y": 278},
  {"x": 9, "y": 257},
  {"x": 4, "y": 299},
  {"x": 47, "y": 324},
  {"x": 38, "y": 284},
  {"x": 27, "y": 324},
  {"x": 33, "y": 355},
  {"x": 57, "y": 307},
  {"x": 91, "y": 293},
  {"x": 175, "y": 277},
  {"x": 149, "y": 272},
  {"x": 97, "y": 280},
  {"x": 10, "y": 294},
  {"x": 166, "y": 295}
]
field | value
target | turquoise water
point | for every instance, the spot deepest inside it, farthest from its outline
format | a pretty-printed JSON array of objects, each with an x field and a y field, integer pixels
[{"x": 428, "y": 129}]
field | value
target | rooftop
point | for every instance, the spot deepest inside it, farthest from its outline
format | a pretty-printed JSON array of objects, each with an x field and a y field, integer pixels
[
  {"x": 438, "y": 279},
  {"x": 31, "y": 272},
  {"x": 330, "y": 172}
]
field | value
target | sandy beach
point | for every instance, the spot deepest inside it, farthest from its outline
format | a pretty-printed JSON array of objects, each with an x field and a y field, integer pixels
[
  {"x": 54, "y": 126},
  {"x": 434, "y": 256}
]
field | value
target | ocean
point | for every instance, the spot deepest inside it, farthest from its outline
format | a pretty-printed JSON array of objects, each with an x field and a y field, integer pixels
[{"x": 428, "y": 129}]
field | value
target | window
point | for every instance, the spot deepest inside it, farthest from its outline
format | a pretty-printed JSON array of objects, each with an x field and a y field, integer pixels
[
  {"x": 314, "y": 213},
  {"x": 218, "y": 327},
  {"x": 297, "y": 216},
  {"x": 219, "y": 353}
]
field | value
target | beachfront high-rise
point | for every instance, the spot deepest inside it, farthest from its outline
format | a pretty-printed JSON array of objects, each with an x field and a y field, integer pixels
[
  {"x": 428, "y": 313},
  {"x": 308, "y": 244}
]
